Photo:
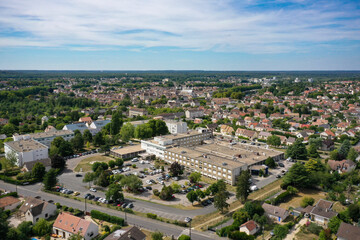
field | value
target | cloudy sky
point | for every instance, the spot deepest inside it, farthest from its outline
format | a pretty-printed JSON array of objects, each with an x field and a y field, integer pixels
[{"x": 180, "y": 34}]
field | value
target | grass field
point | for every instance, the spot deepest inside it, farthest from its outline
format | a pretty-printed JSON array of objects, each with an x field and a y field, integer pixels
[
  {"x": 85, "y": 163},
  {"x": 296, "y": 200},
  {"x": 305, "y": 236}
]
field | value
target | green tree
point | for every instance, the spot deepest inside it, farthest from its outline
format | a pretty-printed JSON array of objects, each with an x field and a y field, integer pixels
[
  {"x": 313, "y": 153},
  {"x": 241, "y": 216},
  {"x": 314, "y": 165},
  {"x": 166, "y": 193},
  {"x": 114, "y": 193},
  {"x": 184, "y": 237},
  {"x": 112, "y": 163},
  {"x": 132, "y": 183},
  {"x": 280, "y": 231},
  {"x": 306, "y": 201},
  {"x": 221, "y": 196},
  {"x": 325, "y": 234},
  {"x": 116, "y": 123},
  {"x": 89, "y": 177},
  {"x": 50, "y": 179},
  {"x": 297, "y": 176},
  {"x": 4, "y": 223},
  {"x": 10, "y": 160},
  {"x": 270, "y": 162},
  {"x": 103, "y": 179},
  {"x": 253, "y": 208},
  {"x": 195, "y": 177},
  {"x": 354, "y": 211},
  {"x": 243, "y": 186},
  {"x": 14, "y": 234},
  {"x": 297, "y": 150},
  {"x": 57, "y": 161},
  {"x": 157, "y": 236},
  {"x": 119, "y": 162},
  {"x": 78, "y": 236},
  {"x": 352, "y": 155},
  {"x": 274, "y": 140},
  {"x": 192, "y": 196},
  {"x": 38, "y": 171},
  {"x": 99, "y": 139},
  {"x": 127, "y": 132},
  {"x": 143, "y": 131},
  {"x": 78, "y": 142},
  {"x": 236, "y": 235},
  {"x": 25, "y": 228},
  {"x": 344, "y": 149},
  {"x": 42, "y": 227},
  {"x": 87, "y": 136},
  {"x": 334, "y": 224},
  {"x": 334, "y": 155},
  {"x": 175, "y": 169}
]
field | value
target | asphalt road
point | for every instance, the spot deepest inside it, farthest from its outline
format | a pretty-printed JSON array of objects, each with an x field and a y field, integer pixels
[{"x": 152, "y": 225}]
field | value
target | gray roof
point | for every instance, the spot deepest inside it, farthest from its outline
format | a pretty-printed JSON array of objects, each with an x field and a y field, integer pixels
[
  {"x": 76, "y": 126},
  {"x": 348, "y": 232},
  {"x": 34, "y": 205},
  {"x": 275, "y": 211},
  {"x": 133, "y": 233}
]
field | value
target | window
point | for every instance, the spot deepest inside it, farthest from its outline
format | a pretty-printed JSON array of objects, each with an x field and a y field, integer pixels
[{"x": 46, "y": 215}]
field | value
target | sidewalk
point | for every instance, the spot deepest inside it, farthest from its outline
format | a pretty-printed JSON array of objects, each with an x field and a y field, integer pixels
[{"x": 296, "y": 229}]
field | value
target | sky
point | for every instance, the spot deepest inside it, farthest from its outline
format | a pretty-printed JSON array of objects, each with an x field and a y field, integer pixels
[{"x": 179, "y": 35}]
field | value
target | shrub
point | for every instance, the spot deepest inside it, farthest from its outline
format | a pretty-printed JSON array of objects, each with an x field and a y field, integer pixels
[
  {"x": 13, "y": 194},
  {"x": 306, "y": 201},
  {"x": 314, "y": 228},
  {"x": 156, "y": 192},
  {"x": 71, "y": 209},
  {"x": 184, "y": 237},
  {"x": 58, "y": 205},
  {"x": 106, "y": 217},
  {"x": 151, "y": 215},
  {"x": 64, "y": 208}
]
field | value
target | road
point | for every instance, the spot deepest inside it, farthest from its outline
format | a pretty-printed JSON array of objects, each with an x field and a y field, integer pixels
[{"x": 152, "y": 225}]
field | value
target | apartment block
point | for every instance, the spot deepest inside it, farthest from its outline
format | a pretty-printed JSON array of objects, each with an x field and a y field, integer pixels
[{"x": 46, "y": 137}]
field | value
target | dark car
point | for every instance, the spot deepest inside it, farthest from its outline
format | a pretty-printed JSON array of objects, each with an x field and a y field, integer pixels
[
  {"x": 96, "y": 199},
  {"x": 208, "y": 201},
  {"x": 148, "y": 188},
  {"x": 281, "y": 165},
  {"x": 124, "y": 205},
  {"x": 78, "y": 175},
  {"x": 278, "y": 176},
  {"x": 204, "y": 203}
]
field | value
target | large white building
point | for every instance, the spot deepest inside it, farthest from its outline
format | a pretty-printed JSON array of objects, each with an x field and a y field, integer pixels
[
  {"x": 158, "y": 145},
  {"x": 46, "y": 137},
  {"x": 26, "y": 151},
  {"x": 176, "y": 126},
  {"x": 194, "y": 113}
]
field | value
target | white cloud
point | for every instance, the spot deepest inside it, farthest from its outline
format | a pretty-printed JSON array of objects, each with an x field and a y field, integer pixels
[{"x": 188, "y": 24}]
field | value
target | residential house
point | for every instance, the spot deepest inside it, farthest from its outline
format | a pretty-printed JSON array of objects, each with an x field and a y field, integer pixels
[
  {"x": 327, "y": 145},
  {"x": 246, "y": 133},
  {"x": 76, "y": 126},
  {"x": 96, "y": 126},
  {"x": 322, "y": 212},
  {"x": 4, "y": 121},
  {"x": 66, "y": 225},
  {"x": 132, "y": 233},
  {"x": 9, "y": 203},
  {"x": 133, "y": 112},
  {"x": 194, "y": 113},
  {"x": 347, "y": 231},
  {"x": 290, "y": 141},
  {"x": 342, "y": 126},
  {"x": 274, "y": 212},
  {"x": 250, "y": 227},
  {"x": 226, "y": 129},
  {"x": 87, "y": 120},
  {"x": 33, "y": 209},
  {"x": 264, "y": 135},
  {"x": 342, "y": 166},
  {"x": 327, "y": 134}
]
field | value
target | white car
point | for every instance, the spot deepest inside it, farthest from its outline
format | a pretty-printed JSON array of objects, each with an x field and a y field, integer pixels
[
  {"x": 148, "y": 182},
  {"x": 253, "y": 188},
  {"x": 92, "y": 189}
]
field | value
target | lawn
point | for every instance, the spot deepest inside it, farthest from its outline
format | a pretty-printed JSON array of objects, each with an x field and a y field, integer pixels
[
  {"x": 296, "y": 200},
  {"x": 86, "y": 163},
  {"x": 301, "y": 235}
]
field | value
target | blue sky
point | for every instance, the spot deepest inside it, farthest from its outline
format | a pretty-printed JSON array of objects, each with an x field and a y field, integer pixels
[{"x": 180, "y": 35}]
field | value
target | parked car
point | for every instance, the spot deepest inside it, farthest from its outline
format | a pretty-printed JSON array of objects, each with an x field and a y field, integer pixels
[
  {"x": 76, "y": 193},
  {"x": 281, "y": 165},
  {"x": 253, "y": 188},
  {"x": 149, "y": 188},
  {"x": 93, "y": 189},
  {"x": 130, "y": 205},
  {"x": 78, "y": 175}
]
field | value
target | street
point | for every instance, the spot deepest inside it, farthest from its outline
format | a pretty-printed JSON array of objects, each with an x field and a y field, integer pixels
[{"x": 146, "y": 223}]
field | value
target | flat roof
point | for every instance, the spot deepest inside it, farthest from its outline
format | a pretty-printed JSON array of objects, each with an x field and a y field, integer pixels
[
  {"x": 129, "y": 149},
  {"x": 218, "y": 154},
  {"x": 51, "y": 134},
  {"x": 180, "y": 135},
  {"x": 25, "y": 145}
]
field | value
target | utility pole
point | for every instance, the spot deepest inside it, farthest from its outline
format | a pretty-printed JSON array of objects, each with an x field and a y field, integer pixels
[{"x": 85, "y": 206}]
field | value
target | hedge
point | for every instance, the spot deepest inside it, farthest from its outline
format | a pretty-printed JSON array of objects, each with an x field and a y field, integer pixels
[
  {"x": 282, "y": 197},
  {"x": 151, "y": 215},
  {"x": 106, "y": 217},
  {"x": 18, "y": 182},
  {"x": 13, "y": 194}
]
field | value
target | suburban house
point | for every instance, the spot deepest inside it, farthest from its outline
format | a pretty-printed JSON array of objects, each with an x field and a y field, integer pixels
[
  {"x": 327, "y": 134},
  {"x": 33, "y": 209},
  {"x": 133, "y": 112},
  {"x": 194, "y": 113},
  {"x": 246, "y": 133},
  {"x": 347, "y": 231},
  {"x": 26, "y": 151},
  {"x": 96, "y": 126},
  {"x": 132, "y": 233},
  {"x": 87, "y": 120},
  {"x": 66, "y": 225},
  {"x": 277, "y": 213},
  {"x": 327, "y": 145},
  {"x": 342, "y": 166},
  {"x": 76, "y": 126},
  {"x": 322, "y": 212},
  {"x": 226, "y": 130},
  {"x": 9, "y": 203},
  {"x": 264, "y": 135},
  {"x": 250, "y": 227}
]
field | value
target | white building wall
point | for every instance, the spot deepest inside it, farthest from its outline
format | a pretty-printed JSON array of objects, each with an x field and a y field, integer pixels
[{"x": 177, "y": 127}]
